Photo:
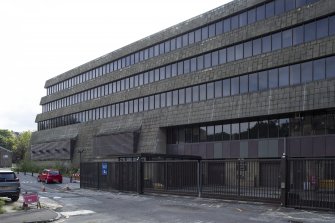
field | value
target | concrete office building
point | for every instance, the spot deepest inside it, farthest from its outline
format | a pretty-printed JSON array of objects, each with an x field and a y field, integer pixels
[{"x": 249, "y": 79}]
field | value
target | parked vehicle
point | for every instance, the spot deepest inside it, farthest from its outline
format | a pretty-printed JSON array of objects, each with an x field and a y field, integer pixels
[
  {"x": 9, "y": 185},
  {"x": 50, "y": 176}
]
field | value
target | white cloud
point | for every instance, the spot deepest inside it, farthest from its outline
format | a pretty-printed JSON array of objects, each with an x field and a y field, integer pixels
[{"x": 42, "y": 38}]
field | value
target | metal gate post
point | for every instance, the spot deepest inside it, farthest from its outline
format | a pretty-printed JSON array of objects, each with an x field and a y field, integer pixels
[
  {"x": 199, "y": 173},
  {"x": 283, "y": 180},
  {"x": 140, "y": 176}
]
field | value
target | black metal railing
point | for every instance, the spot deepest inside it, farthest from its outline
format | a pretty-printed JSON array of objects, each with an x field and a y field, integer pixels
[{"x": 311, "y": 183}]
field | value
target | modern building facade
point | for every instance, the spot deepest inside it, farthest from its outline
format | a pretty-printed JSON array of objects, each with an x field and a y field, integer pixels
[{"x": 249, "y": 79}]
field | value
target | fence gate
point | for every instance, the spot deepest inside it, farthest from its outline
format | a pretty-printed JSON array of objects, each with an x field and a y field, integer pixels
[
  {"x": 311, "y": 183},
  {"x": 241, "y": 179}
]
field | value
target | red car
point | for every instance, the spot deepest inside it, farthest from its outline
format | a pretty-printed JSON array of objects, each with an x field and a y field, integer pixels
[{"x": 50, "y": 176}]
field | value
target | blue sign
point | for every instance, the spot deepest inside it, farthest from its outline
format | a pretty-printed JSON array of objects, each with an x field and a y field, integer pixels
[{"x": 104, "y": 167}]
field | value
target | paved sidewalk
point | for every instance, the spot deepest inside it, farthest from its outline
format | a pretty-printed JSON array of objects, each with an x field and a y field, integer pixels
[{"x": 32, "y": 215}]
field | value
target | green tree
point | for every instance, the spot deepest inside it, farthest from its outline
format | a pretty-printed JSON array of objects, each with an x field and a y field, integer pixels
[
  {"x": 7, "y": 139},
  {"x": 22, "y": 144}
]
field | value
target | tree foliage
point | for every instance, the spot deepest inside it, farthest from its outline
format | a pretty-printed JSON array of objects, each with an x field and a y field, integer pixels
[{"x": 7, "y": 139}]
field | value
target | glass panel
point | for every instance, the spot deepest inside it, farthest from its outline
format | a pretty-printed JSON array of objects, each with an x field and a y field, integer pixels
[
  {"x": 230, "y": 54},
  {"x": 172, "y": 44},
  {"x": 219, "y": 28},
  {"x": 208, "y": 60},
  {"x": 198, "y": 35},
  {"x": 193, "y": 64},
  {"x": 235, "y": 86},
  {"x": 222, "y": 56},
  {"x": 188, "y": 135},
  {"x": 263, "y": 80},
  {"x": 253, "y": 82},
  {"x": 306, "y": 125},
  {"x": 332, "y": 25},
  {"x": 185, "y": 39},
  {"x": 269, "y": 9},
  {"x": 295, "y": 126},
  {"x": 135, "y": 105},
  {"x": 167, "y": 46},
  {"x": 211, "y": 30},
  {"x": 244, "y": 84},
  {"x": 322, "y": 28},
  {"x": 218, "y": 89},
  {"x": 210, "y": 133},
  {"x": 226, "y": 87},
  {"x": 247, "y": 49},
  {"x": 266, "y": 44},
  {"x": 173, "y": 69},
  {"x": 273, "y": 78},
  {"x": 239, "y": 52},
  {"x": 279, "y": 6},
  {"x": 276, "y": 41},
  {"x": 210, "y": 90},
  {"x": 189, "y": 95},
  {"x": 260, "y": 12},
  {"x": 243, "y": 19},
  {"x": 215, "y": 58},
  {"x": 226, "y": 132},
  {"x": 235, "y": 131},
  {"x": 180, "y": 67},
  {"x": 202, "y": 92},
  {"x": 200, "y": 62},
  {"x": 181, "y": 96},
  {"x": 306, "y": 72},
  {"x": 298, "y": 35},
  {"x": 140, "y": 104},
  {"x": 203, "y": 134},
  {"x": 157, "y": 101},
  {"x": 253, "y": 130},
  {"x": 244, "y": 130},
  {"x": 295, "y": 74},
  {"x": 319, "y": 124},
  {"x": 319, "y": 69},
  {"x": 162, "y": 73},
  {"x": 168, "y": 99},
  {"x": 218, "y": 133},
  {"x": 146, "y": 104},
  {"x": 273, "y": 128},
  {"x": 204, "y": 33},
  {"x": 195, "y": 93},
  {"x": 195, "y": 134},
  {"x": 163, "y": 100},
  {"x": 300, "y": 3},
  {"x": 175, "y": 97},
  {"x": 287, "y": 38},
  {"x": 284, "y": 127},
  {"x": 251, "y": 16},
  {"x": 186, "y": 66},
  {"x": 310, "y": 31},
  {"x": 283, "y": 76},
  {"x": 330, "y": 67},
  {"x": 289, "y": 4},
  {"x": 256, "y": 46},
  {"x": 263, "y": 130},
  {"x": 330, "y": 129},
  {"x": 191, "y": 38},
  {"x": 234, "y": 22},
  {"x": 226, "y": 25},
  {"x": 181, "y": 134}
]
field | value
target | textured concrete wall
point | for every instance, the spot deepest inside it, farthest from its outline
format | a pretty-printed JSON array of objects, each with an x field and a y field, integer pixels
[{"x": 152, "y": 138}]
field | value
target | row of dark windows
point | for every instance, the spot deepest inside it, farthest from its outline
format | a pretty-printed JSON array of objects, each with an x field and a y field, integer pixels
[
  {"x": 290, "y": 37},
  {"x": 301, "y": 124},
  {"x": 261, "y": 12},
  {"x": 259, "y": 81}
]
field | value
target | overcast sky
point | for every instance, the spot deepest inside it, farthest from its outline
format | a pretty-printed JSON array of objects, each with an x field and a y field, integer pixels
[{"x": 40, "y": 39}]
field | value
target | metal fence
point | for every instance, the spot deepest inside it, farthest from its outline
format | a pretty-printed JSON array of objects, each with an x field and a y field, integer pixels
[
  {"x": 311, "y": 183},
  {"x": 241, "y": 179},
  {"x": 302, "y": 183}
]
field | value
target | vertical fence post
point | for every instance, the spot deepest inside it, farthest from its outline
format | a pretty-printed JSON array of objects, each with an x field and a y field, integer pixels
[
  {"x": 199, "y": 173},
  {"x": 98, "y": 174},
  {"x": 165, "y": 175},
  {"x": 283, "y": 180},
  {"x": 140, "y": 176},
  {"x": 238, "y": 177}
]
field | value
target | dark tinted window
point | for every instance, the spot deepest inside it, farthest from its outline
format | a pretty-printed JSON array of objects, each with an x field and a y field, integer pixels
[
  {"x": 200, "y": 62},
  {"x": 163, "y": 100},
  {"x": 298, "y": 35},
  {"x": 243, "y": 19},
  {"x": 210, "y": 90},
  {"x": 211, "y": 30},
  {"x": 230, "y": 53},
  {"x": 215, "y": 58},
  {"x": 263, "y": 129},
  {"x": 247, "y": 49},
  {"x": 239, "y": 52},
  {"x": 222, "y": 56},
  {"x": 204, "y": 33},
  {"x": 251, "y": 16},
  {"x": 188, "y": 95},
  {"x": 256, "y": 46},
  {"x": 300, "y": 3},
  {"x": 263, "y": 80},
  {"x": 198, "y": 35},
  {"x": 202, "y": 92},
  {"x": 168, "y": 99},
  {"x": 332, "y": 25},
  {"x": 276, "y": 41},
  {"x": 319, "y": 69},
  {"x": 306, "y": 72},
  {"x": 244, "y": 130},
  {"x": 330, "y": 67},
  {"x": 203, "y": 134},
  {"x": 253, "y": 82},
  {"x": 7, "y": 176},
  {"x": 226, "y": 87},
  {"x": 235, "y": 131},
  {"x": 306, "y": 123},
  {"x": 289, "y": 4},
  {"x": 195, "y": 93},
  {"x": 266, "y": 44},
  {"x": 226, "y": 132},
  {"x": 181, "y": 96},
  {"x": 279, "y": 6},
  {"x": 253, "y": 130},
  {"x": 273, "y": 128},
  {"x": 284, "y": 127},
  {"x": 175, "y": 97},
  {"x": 269, "y": 9},
  {"x": 208, "y": 60},
  {"x": 234, "y": 22},
  {"x": 210, "y": 133},
  {"x": 218, "y": 133},
  {"x": 295, "y": 74},
  {"x": 310, "y": 31},
  {"x": 273, "y": 78},
  {"x": 283, "y": 76},
  {"x": 330, "y": 128},
  {"x": 243, "y": 84},
  {"x": 322, "y": 28},
  {"x": 219, "y": 27},
  {"x": 235, "y": 86},
  {"x": 295, "y": 126},
  {"x": 260, "y": 12},
  {"x": 218, "y": 89},
  {"x": 287, "y": 38}
]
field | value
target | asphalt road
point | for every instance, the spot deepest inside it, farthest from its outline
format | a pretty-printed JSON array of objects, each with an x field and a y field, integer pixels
[{"x": 84, "y": 206}]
